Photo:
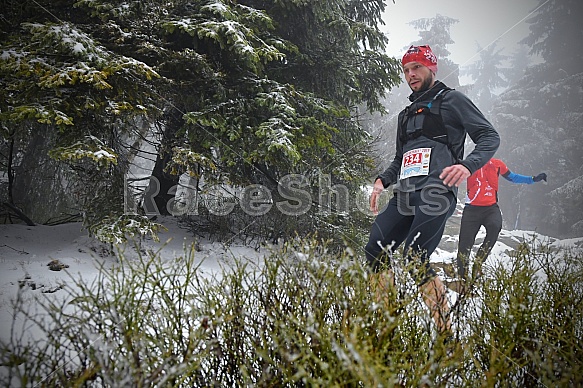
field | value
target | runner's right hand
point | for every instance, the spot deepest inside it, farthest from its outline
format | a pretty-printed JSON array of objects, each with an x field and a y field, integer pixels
[{"x": 374, "y": 198}]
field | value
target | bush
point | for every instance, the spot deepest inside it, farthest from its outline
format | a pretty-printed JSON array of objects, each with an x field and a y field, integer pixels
[
  {"x": 528, "y": 326},
  {"x": 303, "y": 316}
]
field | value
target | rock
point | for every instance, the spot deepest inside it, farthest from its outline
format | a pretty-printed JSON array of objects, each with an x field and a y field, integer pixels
[{"x": 56, "y": 265}]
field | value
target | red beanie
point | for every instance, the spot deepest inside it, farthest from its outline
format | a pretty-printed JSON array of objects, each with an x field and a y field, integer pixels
[{"x": 421, "y": 54}]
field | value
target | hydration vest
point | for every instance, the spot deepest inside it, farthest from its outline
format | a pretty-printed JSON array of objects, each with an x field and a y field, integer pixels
[{"x": 427, "y": 121}]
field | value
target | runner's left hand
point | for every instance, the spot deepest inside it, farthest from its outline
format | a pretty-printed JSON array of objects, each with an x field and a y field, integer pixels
[
  {"x": 454, "y": 175},
  {"x": 540, "y": 177}
]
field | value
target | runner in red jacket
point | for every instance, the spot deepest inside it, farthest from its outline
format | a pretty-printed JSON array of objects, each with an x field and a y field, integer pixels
[{"x": 482, "y": 209}]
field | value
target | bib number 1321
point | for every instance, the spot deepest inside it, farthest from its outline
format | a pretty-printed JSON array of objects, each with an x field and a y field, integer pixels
[{"x": 415, "y": 162}]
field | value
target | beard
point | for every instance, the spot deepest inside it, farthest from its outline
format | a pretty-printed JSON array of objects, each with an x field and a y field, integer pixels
[{"x": 426, "y": 84}]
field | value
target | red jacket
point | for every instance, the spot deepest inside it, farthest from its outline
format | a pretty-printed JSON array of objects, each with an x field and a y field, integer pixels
[{"x": 483, "y": 184}]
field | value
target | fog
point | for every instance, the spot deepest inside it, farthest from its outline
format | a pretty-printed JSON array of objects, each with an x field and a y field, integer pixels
[{"x": 480, "y": 22}]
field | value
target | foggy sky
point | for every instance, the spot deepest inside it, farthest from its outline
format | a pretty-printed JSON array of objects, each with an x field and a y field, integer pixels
[{"x": 479, "y": 21}]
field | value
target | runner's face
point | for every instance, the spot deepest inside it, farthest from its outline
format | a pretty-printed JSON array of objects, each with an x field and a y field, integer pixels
[{"x": 418, "y": 77}]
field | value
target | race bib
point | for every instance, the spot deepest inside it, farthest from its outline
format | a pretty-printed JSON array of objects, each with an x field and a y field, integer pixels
[{"x": 415, "y": 162}]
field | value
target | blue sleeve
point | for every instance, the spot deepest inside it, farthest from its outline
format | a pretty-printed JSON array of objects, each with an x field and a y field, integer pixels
[{"x": 517, "y": 178}]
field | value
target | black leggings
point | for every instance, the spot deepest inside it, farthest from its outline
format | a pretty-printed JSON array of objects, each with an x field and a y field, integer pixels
[
  {"x": 418, "y": 218},
  {"x": 472, "y": 219}
]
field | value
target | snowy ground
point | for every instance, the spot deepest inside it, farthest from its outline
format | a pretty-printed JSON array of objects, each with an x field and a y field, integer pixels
[
  {"x": 26, "y": 255},
  {"x": 31, "y": 255}
]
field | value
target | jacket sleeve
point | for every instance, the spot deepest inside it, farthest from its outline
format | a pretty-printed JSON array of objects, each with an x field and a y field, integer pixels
[
  {"x": 517, "y": 178},
  {"x": 478, "y": 128},
  {"x": 390, "y": 175}
]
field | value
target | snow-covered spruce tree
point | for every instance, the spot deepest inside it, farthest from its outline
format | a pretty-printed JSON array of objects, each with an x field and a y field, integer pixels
[
  {"x": 487, "y": 74},
  {"x": 67, "y": 104},
  {"x": 249, "y": 91},
  {"x": 540, "y": 120},
  {"x": 519, "y": 61},
  {"x": 294, "y": 114}
]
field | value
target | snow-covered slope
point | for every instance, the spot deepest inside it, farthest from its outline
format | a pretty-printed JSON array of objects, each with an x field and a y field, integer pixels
[{"x": 39, "y": 258}]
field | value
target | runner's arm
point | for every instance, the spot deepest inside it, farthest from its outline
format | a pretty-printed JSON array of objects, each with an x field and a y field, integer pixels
[{"x": 517, "y": 178}]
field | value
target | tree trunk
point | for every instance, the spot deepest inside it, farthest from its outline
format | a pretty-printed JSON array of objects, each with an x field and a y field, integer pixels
[{"x": 162, "y": 185}]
